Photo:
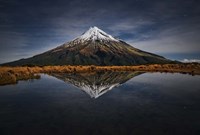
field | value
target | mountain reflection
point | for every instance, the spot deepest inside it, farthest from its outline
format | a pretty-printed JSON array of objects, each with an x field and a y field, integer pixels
[{"x": 96, "y": 83}]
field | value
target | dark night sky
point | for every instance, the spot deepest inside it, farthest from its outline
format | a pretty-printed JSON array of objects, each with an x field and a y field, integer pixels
[{"x": 167, "y": 27}]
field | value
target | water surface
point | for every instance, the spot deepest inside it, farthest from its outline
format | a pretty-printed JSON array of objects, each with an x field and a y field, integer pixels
[{"x": 117, "y": 103}]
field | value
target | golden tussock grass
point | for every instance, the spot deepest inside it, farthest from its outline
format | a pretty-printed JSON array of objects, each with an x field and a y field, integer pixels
[{"x": 10, "y": 75}]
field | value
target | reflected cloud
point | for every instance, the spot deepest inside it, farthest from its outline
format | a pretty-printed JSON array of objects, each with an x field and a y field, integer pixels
[{"x": 97, "y": 83}]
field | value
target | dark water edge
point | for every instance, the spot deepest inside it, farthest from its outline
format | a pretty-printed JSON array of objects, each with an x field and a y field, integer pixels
[{"x": 150, "y": 103}]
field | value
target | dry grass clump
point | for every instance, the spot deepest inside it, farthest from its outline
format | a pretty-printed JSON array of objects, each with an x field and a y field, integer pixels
[
  {"x": 10, "y": 75},
  {"x": 7, "y": 78}
]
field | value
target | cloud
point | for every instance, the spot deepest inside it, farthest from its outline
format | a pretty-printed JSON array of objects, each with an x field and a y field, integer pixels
[
  {"x": 191, "y": 60},
  {"x": 170, "y": 39}
]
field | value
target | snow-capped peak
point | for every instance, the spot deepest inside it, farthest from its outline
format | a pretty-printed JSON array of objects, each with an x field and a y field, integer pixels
[{"x": 95, "y": 33}]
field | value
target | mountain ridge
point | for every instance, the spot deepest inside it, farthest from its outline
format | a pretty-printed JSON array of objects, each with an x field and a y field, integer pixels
[{"x": 93, "y": 47}]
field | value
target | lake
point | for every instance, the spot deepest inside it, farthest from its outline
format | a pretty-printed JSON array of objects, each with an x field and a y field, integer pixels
[{"x": 111, "y": 103}]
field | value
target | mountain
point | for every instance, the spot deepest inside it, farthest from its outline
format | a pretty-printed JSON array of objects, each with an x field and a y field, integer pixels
[
  {"x": 94, "y": 47},
  {"x": 96, "y": 84}
]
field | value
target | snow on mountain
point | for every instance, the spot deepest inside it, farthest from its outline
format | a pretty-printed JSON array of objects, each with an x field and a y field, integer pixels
[{"x": 95, "y": 33}]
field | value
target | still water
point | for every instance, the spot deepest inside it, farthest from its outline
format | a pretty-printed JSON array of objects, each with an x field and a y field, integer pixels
[{"x": 111, "y": 103}]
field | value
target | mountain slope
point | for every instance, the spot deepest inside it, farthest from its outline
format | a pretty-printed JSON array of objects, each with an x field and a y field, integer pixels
[{"x": 94, "y": 47}]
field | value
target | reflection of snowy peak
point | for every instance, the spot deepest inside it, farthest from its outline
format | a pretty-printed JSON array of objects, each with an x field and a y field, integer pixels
[
  {"x": 96, "y": 84},
  {"x": 96, "y": 90}
]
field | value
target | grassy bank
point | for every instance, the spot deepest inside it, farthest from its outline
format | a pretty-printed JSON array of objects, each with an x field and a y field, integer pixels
[{"x": 10, "y": 75}]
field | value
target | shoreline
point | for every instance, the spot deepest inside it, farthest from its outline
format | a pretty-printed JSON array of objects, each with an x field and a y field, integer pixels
[{"x": 11, "y": 75}]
